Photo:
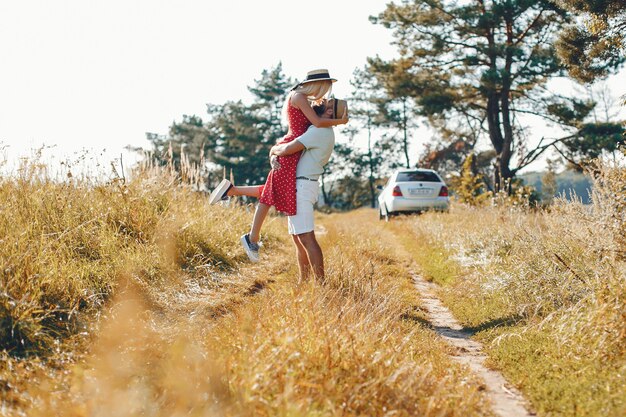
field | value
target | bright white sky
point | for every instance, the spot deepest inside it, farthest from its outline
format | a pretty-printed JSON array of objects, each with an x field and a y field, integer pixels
[
  {"x": 84, "y": 74},
  {"x": 99, "y": 74}
]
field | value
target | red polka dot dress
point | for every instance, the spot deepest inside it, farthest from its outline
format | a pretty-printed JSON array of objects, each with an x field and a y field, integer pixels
[{"x": 280, "y": 188}]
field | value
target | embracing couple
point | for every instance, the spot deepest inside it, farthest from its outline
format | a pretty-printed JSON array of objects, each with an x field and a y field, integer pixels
[{"x": 297, "y": 162}]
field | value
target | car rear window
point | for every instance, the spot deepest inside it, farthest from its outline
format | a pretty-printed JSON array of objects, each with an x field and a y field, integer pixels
[{"x": 425, "y": 176}]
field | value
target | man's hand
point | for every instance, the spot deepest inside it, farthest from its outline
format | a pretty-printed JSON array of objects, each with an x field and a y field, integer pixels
[
  {"x": 285, "y": 149},
  {"x": 274, "y": 162}
]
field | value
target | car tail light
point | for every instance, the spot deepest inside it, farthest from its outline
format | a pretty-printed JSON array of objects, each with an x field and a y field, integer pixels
[
  {"x": 396, "y": 191},
  {"x": 443, "y": 192}
]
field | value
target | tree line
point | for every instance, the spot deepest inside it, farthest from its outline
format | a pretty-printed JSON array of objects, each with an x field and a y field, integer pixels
[{"x": 475, "y": 72}]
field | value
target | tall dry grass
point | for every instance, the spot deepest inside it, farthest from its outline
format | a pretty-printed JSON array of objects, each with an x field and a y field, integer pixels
[
  {"x": 547, "y": 290},
  {"x": 69, "y": 244},
  {"x": 65, "y": 246},
  {"x": 357, "y": 345},
  {"x": 132, "y": 297},
  {"x": 354, "y": 346}
]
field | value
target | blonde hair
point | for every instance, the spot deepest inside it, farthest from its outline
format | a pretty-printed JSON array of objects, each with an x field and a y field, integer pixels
[{"x": 314, "y": 91}]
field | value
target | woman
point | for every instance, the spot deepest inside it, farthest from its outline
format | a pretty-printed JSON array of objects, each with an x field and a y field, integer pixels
[{"x": 280, "y": 188}]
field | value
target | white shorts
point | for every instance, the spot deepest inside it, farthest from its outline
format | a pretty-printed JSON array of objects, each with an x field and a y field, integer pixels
[{"x": 306, "y": 197}]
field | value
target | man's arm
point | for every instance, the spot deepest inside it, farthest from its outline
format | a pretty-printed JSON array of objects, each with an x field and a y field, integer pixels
[
  {"x": 287, "y": 148},
  {"x": 309, "y": 139},
  {"x": 300, "y": 101}
]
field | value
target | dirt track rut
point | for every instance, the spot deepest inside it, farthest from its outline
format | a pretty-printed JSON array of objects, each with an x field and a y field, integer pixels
[{"x": 506, "y": 400}]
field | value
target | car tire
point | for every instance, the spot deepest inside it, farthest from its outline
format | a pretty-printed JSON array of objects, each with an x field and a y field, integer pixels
[{"x": 380, "y": 214}]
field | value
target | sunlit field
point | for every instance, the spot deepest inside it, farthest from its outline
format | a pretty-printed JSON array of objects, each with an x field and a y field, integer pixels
[
  {"x": 544, "y": 289},
  {"x": 124, "y": 293},
  {"x": 133, "y": 297}
]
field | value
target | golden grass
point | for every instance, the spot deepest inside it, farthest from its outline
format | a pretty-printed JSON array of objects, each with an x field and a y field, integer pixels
[
  {"x": 66, "y": 245},
  {"x": 135, "y": 299},
  {"x": 354, "y": 346},
  {"x": 546, "y": 291}
]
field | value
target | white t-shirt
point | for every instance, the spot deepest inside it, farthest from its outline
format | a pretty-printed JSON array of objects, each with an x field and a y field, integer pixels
[{"x": 318, "y": 143}]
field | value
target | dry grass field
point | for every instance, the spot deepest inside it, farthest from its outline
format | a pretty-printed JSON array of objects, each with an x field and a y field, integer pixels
[
  {"x": 545, "y": 290},
  {"x": 133, "y": 298}
]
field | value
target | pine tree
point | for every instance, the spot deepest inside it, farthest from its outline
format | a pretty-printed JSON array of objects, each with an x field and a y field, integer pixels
[
  {"x": 476, "y": 66},
  {"x": 235, "y": 135},
  {"x": 469, "y": 187},
  {"x": 594, "y": 46}
]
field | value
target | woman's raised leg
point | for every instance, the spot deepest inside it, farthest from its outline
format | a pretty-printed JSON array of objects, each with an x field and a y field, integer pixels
[{"x": 248, "y": 191}]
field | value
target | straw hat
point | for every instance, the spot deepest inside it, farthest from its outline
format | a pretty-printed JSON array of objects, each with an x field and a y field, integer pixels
[
  {"x": 340, "y": 107},
  {"x": 315, "y": 75}
]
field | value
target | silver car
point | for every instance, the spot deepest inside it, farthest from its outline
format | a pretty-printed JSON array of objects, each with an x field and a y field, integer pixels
[{"x": 413, "y": 191}]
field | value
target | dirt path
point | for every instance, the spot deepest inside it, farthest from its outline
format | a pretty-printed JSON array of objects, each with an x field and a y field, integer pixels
[{"x": 507, "y": 401}]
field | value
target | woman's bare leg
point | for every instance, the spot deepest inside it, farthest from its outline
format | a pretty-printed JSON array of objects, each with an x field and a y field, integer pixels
[
  {"x": 257, "y": 222},
  {"x": 248, "y": 191},
  {"x": 261, "y": 209}
]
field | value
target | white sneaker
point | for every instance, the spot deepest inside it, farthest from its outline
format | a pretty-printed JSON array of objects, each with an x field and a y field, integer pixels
[
  {"x": 252, "y": 249},
  {"x": 219, "y": 193}
]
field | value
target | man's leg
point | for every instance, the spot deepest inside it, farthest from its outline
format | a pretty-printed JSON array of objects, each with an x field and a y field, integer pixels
[
  {"x": 314, "y": 252},
  {"x": 303, "y": 260}
]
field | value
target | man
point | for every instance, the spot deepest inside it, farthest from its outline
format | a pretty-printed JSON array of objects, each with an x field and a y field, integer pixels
[{"x": 317, "y": 146}]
